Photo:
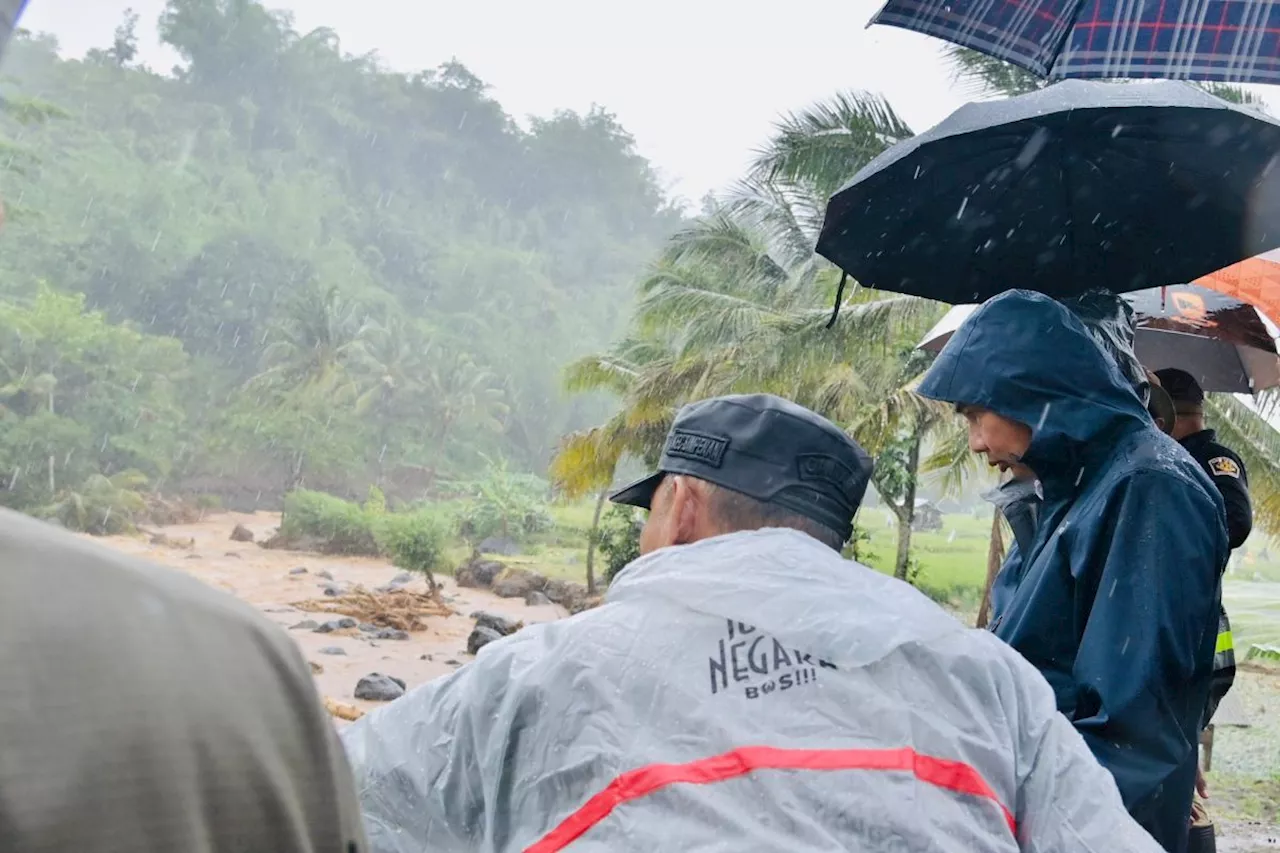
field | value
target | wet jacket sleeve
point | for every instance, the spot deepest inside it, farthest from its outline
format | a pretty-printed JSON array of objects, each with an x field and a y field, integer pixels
[
  {"x": 1228, "y": 474},
  {"x": 1066, "y": 800},
  {"x": 1142, "y": 668},
  {"x": 417, "y": 768}
]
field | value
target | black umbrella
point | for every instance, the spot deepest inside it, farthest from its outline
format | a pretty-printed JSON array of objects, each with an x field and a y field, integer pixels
[{"x": 1076, "y": 186}]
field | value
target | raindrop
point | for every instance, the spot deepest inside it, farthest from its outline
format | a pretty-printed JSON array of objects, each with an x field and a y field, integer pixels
[
  {"x": 1033, "y": 148},
  {"x": 1044, "y": 413},
  {"x": 963, "y": 205},
  {"x": 1079, "y": 476},
  {"x": 1112, "y": 591},
  {"x": 13, "y": 481}
]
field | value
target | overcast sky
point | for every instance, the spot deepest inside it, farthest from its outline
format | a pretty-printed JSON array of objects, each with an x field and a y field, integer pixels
[{"x": 698, "y": 82}]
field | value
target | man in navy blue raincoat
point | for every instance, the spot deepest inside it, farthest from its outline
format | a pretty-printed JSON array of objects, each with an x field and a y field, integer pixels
[{"x": 1116, "y": 602}]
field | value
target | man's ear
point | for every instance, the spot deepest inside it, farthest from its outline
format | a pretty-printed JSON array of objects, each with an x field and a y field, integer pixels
[{"x": 686, "y": 509}]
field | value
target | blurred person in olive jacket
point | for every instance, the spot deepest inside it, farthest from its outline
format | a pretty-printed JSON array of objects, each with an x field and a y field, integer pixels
[{"x": 144, "y": 712}]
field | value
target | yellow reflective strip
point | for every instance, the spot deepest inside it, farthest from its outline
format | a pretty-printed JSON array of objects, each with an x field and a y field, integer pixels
[{"x": 1225, "y": 643}]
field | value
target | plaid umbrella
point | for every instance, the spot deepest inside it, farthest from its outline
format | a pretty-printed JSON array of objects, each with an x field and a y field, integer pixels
[{"x": 1234, "y": 41}]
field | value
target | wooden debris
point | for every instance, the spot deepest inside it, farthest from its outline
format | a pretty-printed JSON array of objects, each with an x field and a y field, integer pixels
[
  {"x": 396, "y": 608},
  {"x": 350, "y": 713}
]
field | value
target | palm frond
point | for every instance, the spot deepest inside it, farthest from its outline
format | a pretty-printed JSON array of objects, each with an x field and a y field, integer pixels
[
  {"x": 950, "y": 461},
  {"x": 600, "y": 373},
  {"x": 824, "y": 145},
  {"x": 787, "y": 218},
  {"x": 694, "y": 300},
  {"x": 722, "y": 240},
  {"x": 981, "y": 75},
  {"x": 586, "y": 461},
  {"x": 1234, "y": 94}
]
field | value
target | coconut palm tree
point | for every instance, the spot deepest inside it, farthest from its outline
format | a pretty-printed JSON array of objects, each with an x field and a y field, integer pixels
[{"x": 739, "y": 302}]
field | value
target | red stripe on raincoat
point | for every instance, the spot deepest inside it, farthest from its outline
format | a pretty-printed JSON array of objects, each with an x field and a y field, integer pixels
[{"x": 634, "y": 784}]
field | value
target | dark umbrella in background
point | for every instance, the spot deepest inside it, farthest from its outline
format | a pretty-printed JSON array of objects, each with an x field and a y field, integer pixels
[
  {"x": 1235, "y": 41},
  {"x": 10, "y": 11},
  {"x": 1076, "y": 186},
  {"x": 1223, "y": 342}
]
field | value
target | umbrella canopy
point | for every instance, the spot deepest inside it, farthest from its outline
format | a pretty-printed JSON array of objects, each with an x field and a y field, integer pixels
[
  {"x": 10, "y": 11},
  {"x": 1226, "y": 344},
  {"x": 1254, "y": 280},
  {"x": 1076, "y": 186},
  {"x": 1235, "y": 41}
]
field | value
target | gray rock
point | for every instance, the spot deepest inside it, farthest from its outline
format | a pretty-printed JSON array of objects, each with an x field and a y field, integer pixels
[
  {"x": 241, "y": 534},
  {"x": 298, "y": 571},
  {"x": 333, "y": 650},
  {"x": 376, "y": 687},
  {"x": 324, "y": 573},
  {"x": 426, "y": 657},
  {"x": 565, "y": 593},
  {"x": 305, "y": 625},
  {"x": 501, "y": 545},
  {"x": 501, "y": 624},
  {"x": 391, "y": 634},
  {"x": 536, "y": 599},
  {"x": 332, "y": 625},
  {"x": 402, "y": 579},
  {"x": 517, "y": 583},
  {"x": 369, "y": 628},
  {"x": 334, "y": 590},
  {"x": 481, "y": 636},
  {"x": 477, "y": 573},
  {"x": 452, "y": 662}
]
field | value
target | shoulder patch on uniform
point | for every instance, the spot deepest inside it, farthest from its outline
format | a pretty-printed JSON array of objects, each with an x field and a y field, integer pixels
[{"x": 1224, "y": 466}]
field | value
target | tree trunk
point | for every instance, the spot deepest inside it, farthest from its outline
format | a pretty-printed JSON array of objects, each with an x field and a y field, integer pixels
[
  {"x": 907, "y": 512},
  {"x": 592, "y": 538},
  {"x": 995, "y": 556}
]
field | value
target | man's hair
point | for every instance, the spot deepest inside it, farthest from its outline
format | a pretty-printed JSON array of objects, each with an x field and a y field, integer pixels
[{"x": 736, "y": 511}]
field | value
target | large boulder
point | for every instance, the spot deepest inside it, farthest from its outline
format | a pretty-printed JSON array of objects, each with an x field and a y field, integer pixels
[
  {"x": 241, "y": 534},
  {"x": 481, "y": 636},
  {"x": 586, "y": 603},
  {"x": 477, "y": 573},
  {"x": 376, "y": 687},
  {"x": 501, "y": 624},
  {"x": 565, "y": 593},
  {"x": 537, "y": 599},
  {"x": 517, "y": 583}
]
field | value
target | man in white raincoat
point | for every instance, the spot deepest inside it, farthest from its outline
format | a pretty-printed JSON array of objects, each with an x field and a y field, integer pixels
[{"x": 742, "y": 688}]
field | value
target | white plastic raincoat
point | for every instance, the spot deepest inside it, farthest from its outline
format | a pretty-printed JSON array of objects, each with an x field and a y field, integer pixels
[{"x": 749, "y": 692}]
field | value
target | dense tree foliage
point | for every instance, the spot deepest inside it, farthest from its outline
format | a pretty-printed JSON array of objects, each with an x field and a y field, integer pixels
[{"x": 283, "y": 264}]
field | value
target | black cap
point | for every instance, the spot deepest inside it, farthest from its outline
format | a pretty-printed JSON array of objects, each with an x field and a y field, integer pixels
[
  {"x": 769, "y": 449},
  {"x": 1182, "y": 386}
]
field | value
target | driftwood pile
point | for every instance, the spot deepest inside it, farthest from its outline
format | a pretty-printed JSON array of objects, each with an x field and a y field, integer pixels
[{"x": 393, "y": 608}]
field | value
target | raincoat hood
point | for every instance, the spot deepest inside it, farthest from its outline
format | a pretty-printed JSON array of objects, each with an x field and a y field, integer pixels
[
  {"x": 752, "y": 691},
  {"x": 1028, "y": 358}
]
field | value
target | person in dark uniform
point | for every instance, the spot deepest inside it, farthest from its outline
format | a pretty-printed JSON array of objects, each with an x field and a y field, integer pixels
[
  {"x": 1228, "y": 473},
  {"x": 1221, "y": 463}
]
